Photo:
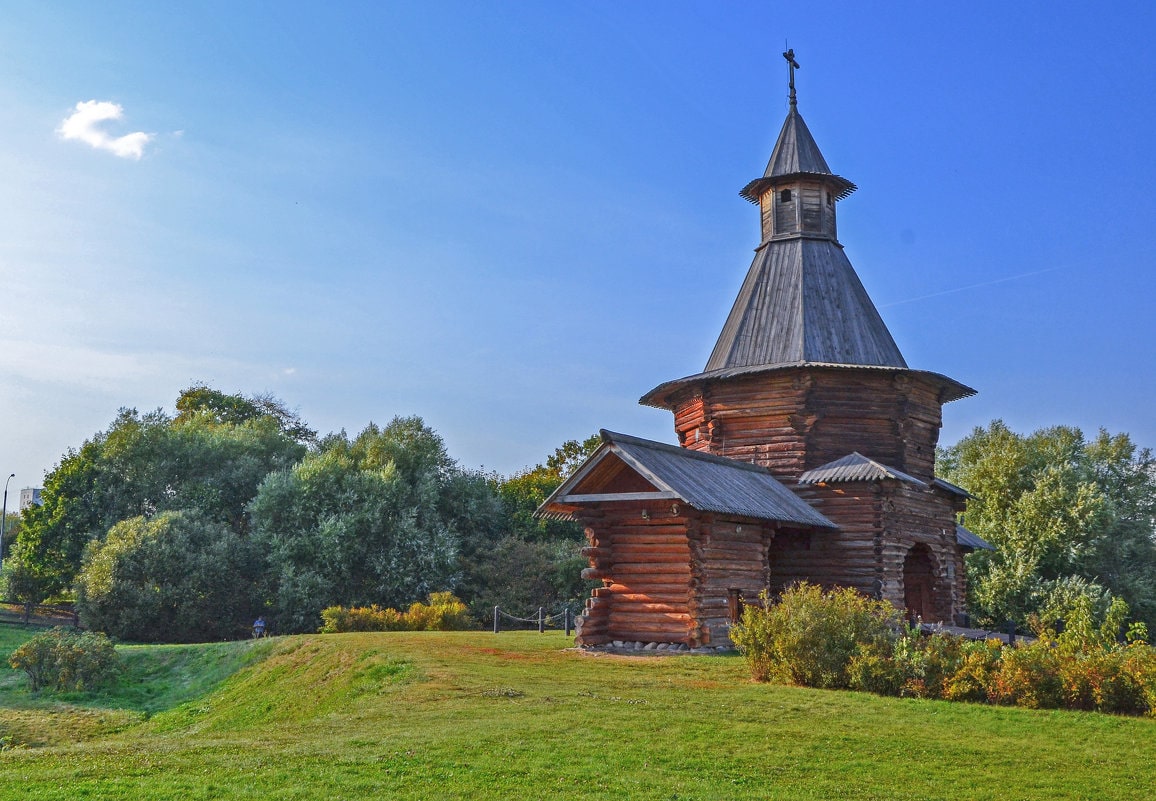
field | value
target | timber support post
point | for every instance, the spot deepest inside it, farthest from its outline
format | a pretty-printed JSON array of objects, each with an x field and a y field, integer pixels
[
  {"x": 541, "y": 620},
  {"x": 497, "y": 612}
]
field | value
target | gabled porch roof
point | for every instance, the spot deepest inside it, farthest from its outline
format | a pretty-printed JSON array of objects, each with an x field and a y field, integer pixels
[{"x": 626, "y": 468}]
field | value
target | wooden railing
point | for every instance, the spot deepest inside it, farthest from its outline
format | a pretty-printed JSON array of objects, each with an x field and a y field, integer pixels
[{"x": 44, "y": 615}]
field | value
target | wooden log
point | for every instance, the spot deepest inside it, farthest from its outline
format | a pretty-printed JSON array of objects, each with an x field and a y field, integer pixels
[
  {"x": 660, "y": 598},
  {"x": 651, "y": 609},
  {"x": 678, "y": 586},
  {"x": 592, "y": 552},
  {"x": 649, "y": 568}
]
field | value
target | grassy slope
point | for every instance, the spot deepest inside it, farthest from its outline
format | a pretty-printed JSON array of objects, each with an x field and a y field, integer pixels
[{"x": 474, "y": 715}]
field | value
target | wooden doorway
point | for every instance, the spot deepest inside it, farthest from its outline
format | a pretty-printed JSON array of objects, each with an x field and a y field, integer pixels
[{"x": 919, "y": 583}]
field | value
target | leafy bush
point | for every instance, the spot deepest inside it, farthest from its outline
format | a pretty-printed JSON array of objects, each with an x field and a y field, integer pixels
[
  {"x": 444, "y": 612},
  {"x": 872, "y": 669},
  {"x": 841, "y": 639},
  {"x": 974, "y": 674},
  {"x": 809, "y": 636},
  {"x": 1028, "y": 676},
  {"x": 341, "y": 619},
  {"x": 175, "y": 577},
  {"x": 63, "y": 660}
]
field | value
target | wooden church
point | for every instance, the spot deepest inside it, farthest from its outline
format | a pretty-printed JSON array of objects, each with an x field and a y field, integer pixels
[{"x": 807, "y": 448}]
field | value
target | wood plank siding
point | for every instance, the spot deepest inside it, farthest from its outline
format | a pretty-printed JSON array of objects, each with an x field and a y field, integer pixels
[{"x": 796, "y": 420}]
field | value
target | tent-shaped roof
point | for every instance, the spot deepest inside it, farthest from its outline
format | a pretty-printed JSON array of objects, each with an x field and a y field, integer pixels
[
  {"x": 796, "y": 153},
  {"x": 855, "y": 467},
  {"x": 665, "y": 472},
  {"x": 947, "y": 486},
  {"x": 802, "y": 302}
]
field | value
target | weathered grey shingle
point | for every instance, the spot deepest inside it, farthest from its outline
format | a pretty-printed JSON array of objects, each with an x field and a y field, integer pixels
[
  {"x": 971, "y": 541},
  {"x": 705, "y": 482},
  {"x": 802, "y": 302},
  {"x": 795, "y": 153},
  {"x": 855, "y": 467}
]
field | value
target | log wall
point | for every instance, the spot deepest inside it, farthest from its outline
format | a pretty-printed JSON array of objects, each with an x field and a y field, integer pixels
[
  {"x": 849, "y": 557},
  {"x": 914, "y": 516},
  {"x": 644, "y": 563},
  {"x": 794, "y": 420},
  {"x": 668, "y": 577},
  {"x": 730, "y": 558},
  {"x": 879, "y": 523}
]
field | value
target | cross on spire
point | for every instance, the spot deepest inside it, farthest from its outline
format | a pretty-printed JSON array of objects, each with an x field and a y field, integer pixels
[{"x": 794, "y": 65}]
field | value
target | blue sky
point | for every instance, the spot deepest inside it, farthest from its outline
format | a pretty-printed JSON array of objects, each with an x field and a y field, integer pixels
[{"x": 514, "y": 219}]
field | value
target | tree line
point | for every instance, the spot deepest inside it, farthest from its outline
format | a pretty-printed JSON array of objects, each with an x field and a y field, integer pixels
[
  {"x": 187, "y": 526},
  {"x": 1070, "y": 517}
]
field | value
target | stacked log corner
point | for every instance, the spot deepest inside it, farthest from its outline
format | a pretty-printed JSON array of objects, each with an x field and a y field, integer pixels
[{"x": 668, "y": 576}]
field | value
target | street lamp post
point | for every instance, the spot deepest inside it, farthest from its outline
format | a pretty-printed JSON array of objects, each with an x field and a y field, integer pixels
[{"x": 4, "y": 520}]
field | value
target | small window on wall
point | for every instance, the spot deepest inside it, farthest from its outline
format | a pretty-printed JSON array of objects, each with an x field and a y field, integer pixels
[
  {"x": 735, "y": 604},
  {"x": 830, "y": 200},
  {"x": 785, "y": 196}
]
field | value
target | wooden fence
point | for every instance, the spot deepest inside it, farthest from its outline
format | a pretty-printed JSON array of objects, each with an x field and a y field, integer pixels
[{"x": 42, "y": 615}]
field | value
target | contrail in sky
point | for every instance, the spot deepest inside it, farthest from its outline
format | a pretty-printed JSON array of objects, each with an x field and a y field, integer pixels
[{"x": 969, "y": 286}]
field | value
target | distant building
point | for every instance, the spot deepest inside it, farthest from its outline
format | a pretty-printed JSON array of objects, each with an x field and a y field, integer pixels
[{"x": 30, "y": 496}]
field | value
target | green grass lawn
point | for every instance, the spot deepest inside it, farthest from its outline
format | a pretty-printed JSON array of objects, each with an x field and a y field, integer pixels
[{"x": 517, "y": 715}]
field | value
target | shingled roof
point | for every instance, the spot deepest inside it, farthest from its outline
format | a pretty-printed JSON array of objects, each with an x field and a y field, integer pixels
[
  {"x": 855, "y": 467},
  {"x": 802, "y": 302},
  {"x": 796, "y": 153},
  {"x": 660, "y": 396},
  {"x": 702, "y": 481},
  {"x": 971, "y": 541}
]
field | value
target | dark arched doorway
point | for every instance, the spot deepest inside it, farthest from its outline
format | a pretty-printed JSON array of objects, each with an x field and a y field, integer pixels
[{"x": 919, "y": 583}]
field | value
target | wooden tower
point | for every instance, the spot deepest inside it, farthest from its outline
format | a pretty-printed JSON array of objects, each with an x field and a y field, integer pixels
[
  {"x": 805, "y": 398},
  {"x": 806, "y": 380}
]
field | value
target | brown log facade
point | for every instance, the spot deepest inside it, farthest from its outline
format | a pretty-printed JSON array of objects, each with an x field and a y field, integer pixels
[{"x": 807, "y": 449}]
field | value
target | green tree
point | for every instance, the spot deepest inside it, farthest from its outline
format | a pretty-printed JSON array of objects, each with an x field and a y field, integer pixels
[
  {"x": 11, "y": 532},
  {"x": 146, "y": 464},
  {"x": 359, "y": 522},
  {"x": 179, "y": 576},
  {"x": 1069, "y": 518},
  {"x": 526, "y": 562},
  {"x": 204, "y": 402}
]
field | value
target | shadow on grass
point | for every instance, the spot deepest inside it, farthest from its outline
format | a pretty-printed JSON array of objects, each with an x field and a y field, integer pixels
[
  {"x": 155, "y": 678},
  {"x": 159, "y": 677}
]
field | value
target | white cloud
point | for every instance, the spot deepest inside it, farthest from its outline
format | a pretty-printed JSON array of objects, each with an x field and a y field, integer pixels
[{"x": 83, "y": 126}]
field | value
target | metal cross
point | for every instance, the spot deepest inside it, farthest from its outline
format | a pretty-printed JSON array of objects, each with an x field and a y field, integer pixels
[{"x": 794, "y": 65}]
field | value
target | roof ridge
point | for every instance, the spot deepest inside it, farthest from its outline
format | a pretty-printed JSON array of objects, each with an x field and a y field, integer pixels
[
  {"x": 613, "y": 436},
  {"x": 855, "y": 458}
]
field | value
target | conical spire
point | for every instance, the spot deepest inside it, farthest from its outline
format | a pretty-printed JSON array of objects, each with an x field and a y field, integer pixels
[
  {"x": 796, "y": 154},
  {"x": 801, "y": 302}
]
